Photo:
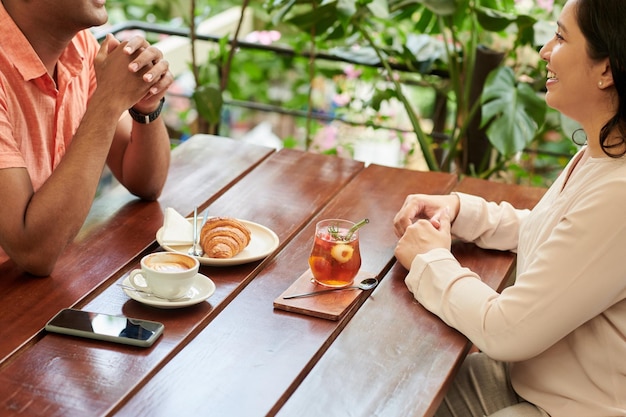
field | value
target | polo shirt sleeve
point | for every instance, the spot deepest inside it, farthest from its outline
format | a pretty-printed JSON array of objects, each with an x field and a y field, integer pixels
[{"x": 10, "y": 155}]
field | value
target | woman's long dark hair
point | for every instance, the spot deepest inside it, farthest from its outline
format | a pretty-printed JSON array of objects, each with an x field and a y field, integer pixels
[{"x": 603, "y": 23}]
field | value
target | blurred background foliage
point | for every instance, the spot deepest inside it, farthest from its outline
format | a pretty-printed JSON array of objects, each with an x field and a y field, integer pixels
[{"x": 394, "y": 55}]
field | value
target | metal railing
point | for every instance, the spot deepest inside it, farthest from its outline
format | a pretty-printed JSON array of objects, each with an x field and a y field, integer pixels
[
  {"x": 100, "y": 33},
  {"x": 279, "y": 50}
]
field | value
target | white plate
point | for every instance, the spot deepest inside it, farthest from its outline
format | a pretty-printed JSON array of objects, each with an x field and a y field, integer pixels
[
  {"x": 263, "y": 242},
  {"x": 201, "y": 289}
]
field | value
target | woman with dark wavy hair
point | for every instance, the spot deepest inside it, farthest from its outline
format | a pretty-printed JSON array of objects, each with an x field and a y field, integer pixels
[{"x": 554, "y": 342}]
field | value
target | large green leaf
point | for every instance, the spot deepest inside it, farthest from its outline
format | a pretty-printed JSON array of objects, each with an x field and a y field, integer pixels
[
  {"x": 441, "y": 7},
  {"x": 209, "y": 102},
  {"x": 494, "y": 20},
  {"x": 345, "y": 7},
  {"x": 279, "y": 10},
  {"x": 513, "y": 112},
  {"x": 365, "y": 55},
  {"x": 526, "y": 30},
  {"x": 379, "y": 8},
  {"x": 321, "y": 18},
  {"x": 438, "y": 7}
]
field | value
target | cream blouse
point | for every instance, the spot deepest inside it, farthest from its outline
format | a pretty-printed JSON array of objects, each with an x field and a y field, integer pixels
[{"x": 562, "y": 325}]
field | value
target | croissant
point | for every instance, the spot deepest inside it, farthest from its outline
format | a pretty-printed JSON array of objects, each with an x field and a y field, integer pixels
[{"x": 223, "y": 237}]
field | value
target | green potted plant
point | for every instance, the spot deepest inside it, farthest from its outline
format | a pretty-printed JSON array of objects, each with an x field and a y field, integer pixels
[
  {"x": 492, "y": 102},
  {"x": 508, "y": 108}
]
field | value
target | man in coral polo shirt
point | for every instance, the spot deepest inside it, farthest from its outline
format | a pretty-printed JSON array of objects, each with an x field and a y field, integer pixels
[{"x": 68, "y": 106}]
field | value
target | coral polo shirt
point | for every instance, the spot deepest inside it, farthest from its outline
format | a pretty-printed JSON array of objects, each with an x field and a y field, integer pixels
[{"x": 38, "y": 118}]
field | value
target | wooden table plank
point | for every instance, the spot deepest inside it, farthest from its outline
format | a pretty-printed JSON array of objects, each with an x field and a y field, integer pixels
[
  {"x": 82, "y": 377},
  {"x": 387, "y": 361},
  {"x": 234, "y": 354},
  {"x": 118, "y": 229},
  {"x": 394, "y": 357},
  {"x": 250, "y": 358}
]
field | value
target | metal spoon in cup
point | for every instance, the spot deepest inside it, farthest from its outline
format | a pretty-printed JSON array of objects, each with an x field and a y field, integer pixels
[
  {"x": 366, "y": 284},
  {"x": 195, "y": 249}
]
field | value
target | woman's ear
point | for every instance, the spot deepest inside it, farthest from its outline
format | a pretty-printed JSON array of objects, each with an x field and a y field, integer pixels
[{"x": 606, "y": 78}]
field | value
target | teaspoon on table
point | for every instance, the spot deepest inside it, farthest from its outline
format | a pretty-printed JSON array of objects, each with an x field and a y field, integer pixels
[
  {"x": 366, "y": 284},
  {"x": 184, "y": 297}
]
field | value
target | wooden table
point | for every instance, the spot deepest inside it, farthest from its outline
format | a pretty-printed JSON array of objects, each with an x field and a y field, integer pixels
[{"x": 235, "y": 355}]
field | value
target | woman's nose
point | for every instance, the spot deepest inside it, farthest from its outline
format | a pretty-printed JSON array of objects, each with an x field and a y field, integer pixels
[{"x": 544, "y": 52}]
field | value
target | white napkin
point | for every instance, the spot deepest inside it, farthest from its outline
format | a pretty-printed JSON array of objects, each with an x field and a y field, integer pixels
[{"x": 176, "y": 229}]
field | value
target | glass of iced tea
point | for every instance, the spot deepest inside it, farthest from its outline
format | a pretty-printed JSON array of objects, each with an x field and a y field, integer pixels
[{"x": 335, "y": 258}]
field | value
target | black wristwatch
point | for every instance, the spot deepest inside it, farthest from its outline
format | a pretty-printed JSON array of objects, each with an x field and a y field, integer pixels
[{"x": 146, "y": 118}]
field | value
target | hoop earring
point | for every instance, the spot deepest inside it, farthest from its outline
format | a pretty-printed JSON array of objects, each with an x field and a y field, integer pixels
[{"x": 584, "y": 137}]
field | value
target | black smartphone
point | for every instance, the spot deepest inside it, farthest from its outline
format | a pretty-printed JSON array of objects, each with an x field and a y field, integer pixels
[{"x": 106, "y": 327}]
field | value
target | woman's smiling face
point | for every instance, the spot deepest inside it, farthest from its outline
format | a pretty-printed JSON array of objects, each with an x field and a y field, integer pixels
[{"x": 572, "y": 83}]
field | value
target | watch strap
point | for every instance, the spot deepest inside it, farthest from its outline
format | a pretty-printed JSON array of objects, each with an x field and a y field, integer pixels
[{"x": 146, "y": 118}]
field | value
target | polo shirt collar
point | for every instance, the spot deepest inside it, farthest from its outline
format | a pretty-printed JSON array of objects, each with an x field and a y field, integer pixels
[{"x": 24, "y": 58}]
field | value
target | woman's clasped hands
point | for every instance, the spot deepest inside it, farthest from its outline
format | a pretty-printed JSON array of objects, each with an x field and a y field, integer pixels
[{"x": 423, "y": 224}]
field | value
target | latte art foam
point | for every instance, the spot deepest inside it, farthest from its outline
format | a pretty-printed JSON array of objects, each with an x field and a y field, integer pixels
[{"x": 168, "y": 266}]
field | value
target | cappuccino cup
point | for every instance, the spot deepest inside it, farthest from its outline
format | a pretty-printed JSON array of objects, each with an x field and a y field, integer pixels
[{"x": 165, "y": 274}]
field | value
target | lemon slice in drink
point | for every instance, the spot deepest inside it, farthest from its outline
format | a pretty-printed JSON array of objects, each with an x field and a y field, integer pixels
[{"x": 342, "y": 253}]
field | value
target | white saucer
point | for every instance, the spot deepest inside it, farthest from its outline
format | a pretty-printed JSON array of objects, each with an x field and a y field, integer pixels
[
  {"x": 201, "y": 289},
  {"x": 263, "y": 242}
]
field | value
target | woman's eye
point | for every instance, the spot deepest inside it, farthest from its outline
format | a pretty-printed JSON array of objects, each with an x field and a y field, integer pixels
[{"x": 558, "y": 36}]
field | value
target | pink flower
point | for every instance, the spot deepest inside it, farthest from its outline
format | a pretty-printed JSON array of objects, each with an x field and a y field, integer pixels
[
  {"x": 342, "y": 99},
  {"x": 351, "y": 72},
  {"x": 264, "y": 37},
  {"x": 546, "y": 4},
  {"x": 406, "y": 147},
  {"x": 326, "y": 138}
]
